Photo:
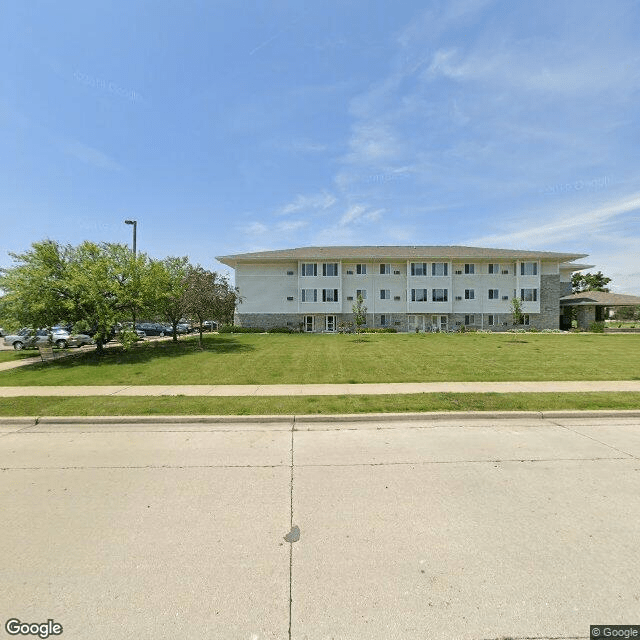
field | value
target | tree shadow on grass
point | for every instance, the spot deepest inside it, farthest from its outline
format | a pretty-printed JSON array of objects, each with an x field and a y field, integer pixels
[{"x": 156, "y": 350}]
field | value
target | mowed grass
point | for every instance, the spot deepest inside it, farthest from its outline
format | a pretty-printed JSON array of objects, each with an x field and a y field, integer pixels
[
  {"x": 10, "y": 356},
  {"x": 308, "y": 405},
  {"x": 313, "y": 359}
]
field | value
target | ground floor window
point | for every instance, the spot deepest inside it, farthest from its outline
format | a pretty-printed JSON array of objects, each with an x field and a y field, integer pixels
[
  {"x": 491, "y": 320},
  {"x": 469, "y": 319},
  {"x": 525, "y": 319},
  {"x": 384, "y": 320},
  {"x": 330, "y": 323},
  {"x": 308, "y": 323}
]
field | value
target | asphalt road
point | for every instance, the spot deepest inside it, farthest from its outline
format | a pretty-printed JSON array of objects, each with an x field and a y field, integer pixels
[{"x": 479, "y": 529}]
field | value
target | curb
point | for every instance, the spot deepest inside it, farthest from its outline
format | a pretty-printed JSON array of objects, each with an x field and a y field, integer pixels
[{"x": 315, "y": 418}]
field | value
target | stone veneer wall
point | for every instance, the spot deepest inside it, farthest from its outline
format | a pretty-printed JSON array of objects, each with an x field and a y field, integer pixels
[{"x": 549, "y": 317}]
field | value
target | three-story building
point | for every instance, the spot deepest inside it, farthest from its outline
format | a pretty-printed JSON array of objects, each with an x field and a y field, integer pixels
[{"x": 409, "y": 288}]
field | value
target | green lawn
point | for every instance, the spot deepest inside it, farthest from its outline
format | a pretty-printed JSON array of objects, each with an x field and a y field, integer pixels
[
  {"x": 421, "y": 402},
  {"x": 300, "y": 358},
  {"x": 10, "y": 356}
]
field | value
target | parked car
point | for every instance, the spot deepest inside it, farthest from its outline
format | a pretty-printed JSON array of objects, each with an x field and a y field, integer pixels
[
  {"x": 209, "y": 325},
  {"x": 1, "y": 332},
  {"x": 154, "y": 329},
  {"x": 28, "y": 339}
]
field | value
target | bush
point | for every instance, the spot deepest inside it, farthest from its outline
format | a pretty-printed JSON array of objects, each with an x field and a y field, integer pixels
[
  {"x": 596, "y": 327},
  {"x": 280, "y": 330},
  {"x": 231, "y": 328},
  {"x": 127, "y": 338},
  {"x": 377, "y": 330}
]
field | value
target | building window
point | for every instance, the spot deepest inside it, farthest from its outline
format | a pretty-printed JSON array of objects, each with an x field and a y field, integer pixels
[
  {"x": 439, "y": 269},
  {"x": 361, "y": 269},
  {"x": 385, "y": 269},
  {"x": 440, "y": 295},
  {"x": 361, "y": 292},
  {"x": 309, "y": 269},
  {"x": 309, "y": 295},
  {"x": 493, "y": 294},
  {"x": 469, "y": 269},
  {"x": 419, "y": 295},
  {"x": 329, "y": 295},
  {"x": 418, "y": 268},
  {"x": 528, "y": 268},
  {"x": 491, "y": 320},
  {"x": 469, "y": 319},
  {"x": 529, "y": 295},
  {"x": 525, "y": 319},
  {"x": 384, "y": 320},
  {"x": 308, "y": 323},
  {"x": 330, "y": 323},
  {"x": 494, "y": 268},
  {"x": 330, "y": 269},
  {"x": 469, "y": 294},
  {"x": 385, "y": 294}
]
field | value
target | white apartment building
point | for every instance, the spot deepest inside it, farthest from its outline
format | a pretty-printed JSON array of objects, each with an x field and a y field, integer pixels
[{"x": 409, "y": 288}]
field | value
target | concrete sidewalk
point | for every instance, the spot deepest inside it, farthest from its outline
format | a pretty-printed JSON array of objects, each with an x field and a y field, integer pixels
[{"x": 568, "y": 386}]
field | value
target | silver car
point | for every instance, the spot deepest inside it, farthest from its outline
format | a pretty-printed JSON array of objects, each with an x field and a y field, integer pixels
[{"x": 28, "y": 339}]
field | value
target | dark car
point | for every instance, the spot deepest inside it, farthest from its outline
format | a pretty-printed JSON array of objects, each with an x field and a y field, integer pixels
[{"x": 154, "y": 329}]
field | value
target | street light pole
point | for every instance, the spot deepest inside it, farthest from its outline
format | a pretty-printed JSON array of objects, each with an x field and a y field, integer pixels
[{"x": 135, "y": 227}]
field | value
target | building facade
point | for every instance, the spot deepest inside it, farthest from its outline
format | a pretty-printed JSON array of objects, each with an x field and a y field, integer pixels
[{"x": 409, "y": 288}]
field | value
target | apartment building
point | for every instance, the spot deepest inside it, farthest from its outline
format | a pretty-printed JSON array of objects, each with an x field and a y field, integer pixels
[{"x": 410, "y": 288}]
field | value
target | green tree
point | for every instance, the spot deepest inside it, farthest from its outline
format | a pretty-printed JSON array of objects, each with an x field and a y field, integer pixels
[
  {"x": 516, "y": 311},
  {"x": 91, "y": 286},
  {"x": 589, "y": 282},
  {"x": 171, "y": 277},
  {"x": 209, "y": 296},
  {"x": 359, "y": 312}
]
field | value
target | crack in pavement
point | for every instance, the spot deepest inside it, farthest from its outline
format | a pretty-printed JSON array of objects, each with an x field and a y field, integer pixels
[{"x": 604, "y": 444}]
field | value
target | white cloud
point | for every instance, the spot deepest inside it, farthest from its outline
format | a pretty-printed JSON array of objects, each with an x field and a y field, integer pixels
[
  {"x": 316, "y": 202},
  {"x": 358, "y": 213},
  {"x": 88, "y": 155}
]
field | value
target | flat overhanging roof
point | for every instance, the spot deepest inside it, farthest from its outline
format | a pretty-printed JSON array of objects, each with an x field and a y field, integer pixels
[{"x": 599, "y": 299}]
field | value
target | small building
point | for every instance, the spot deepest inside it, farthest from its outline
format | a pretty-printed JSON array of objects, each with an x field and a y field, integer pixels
[
  {"x": 409, "y": 288},
  {"x": 591, "y": 306}
]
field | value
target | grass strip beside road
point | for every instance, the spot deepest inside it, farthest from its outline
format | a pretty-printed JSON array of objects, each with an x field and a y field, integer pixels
[
  {"x": 315, "y": 359},
  {"x": 301, "y": 405}
]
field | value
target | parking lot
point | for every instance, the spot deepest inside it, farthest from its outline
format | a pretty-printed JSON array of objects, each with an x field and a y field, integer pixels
[{"x": 471, "y": 529}]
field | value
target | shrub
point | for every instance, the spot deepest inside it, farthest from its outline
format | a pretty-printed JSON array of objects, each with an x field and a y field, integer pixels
[
  {"x": 596, "y": 327},
  {"x": 377, "y": 330},
  {"x": 230, "y": 328},
  {"x": 280, "y": 330},
  {"x": 127, "y": 338}
]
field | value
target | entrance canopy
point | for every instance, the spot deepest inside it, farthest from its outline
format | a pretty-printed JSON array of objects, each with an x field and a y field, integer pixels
[{"x": 590, "y": 305}]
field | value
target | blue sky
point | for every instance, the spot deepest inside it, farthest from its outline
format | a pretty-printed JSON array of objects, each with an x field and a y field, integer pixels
[{"x": 228, "y": 126}]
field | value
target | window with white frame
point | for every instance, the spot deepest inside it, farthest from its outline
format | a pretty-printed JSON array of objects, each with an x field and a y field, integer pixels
[
  {"x": 529, "y": 295},
  {"x": 385, "y": 294},
  {"x": 469, "y": 269},
  {"x": 469, "y": 319},
  {"x": 439, "y": 295},
  {"x": 309, "y": 269},
  {"x": 469, "y": 294},
  {"x": 330, "y": 269},
  {"x": 525, "y": 319},
  {"x": 419, "y": 295},
  {"x": 329, "y": 295},
  {"x": 528, "y": 268},
  {"x": 439, "y": 269},
  {"x": 491, "y": 320},
  {"x": 494, "y": 268},
  {"x": 361, "y": 269},
  {"x": 384, "y": 320},
  {"x": 361, "y": 292},
  {"x": 309, "y": 295},
  {"x": 494, "y": 294},
  {"x": 385, "y": 269},
  {"x": 418, "y": 268}
]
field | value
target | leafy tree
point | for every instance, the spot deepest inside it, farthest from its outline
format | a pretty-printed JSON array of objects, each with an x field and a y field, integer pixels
[
  {"x": 359, "y": 312},
  {"x": 516, "y": 311},
  {"x": 589, "y": 282},
  {"x": 91, "y": 285},
  {"x": 209, "y": 296},
  {"x": 171, "y": 277}
]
